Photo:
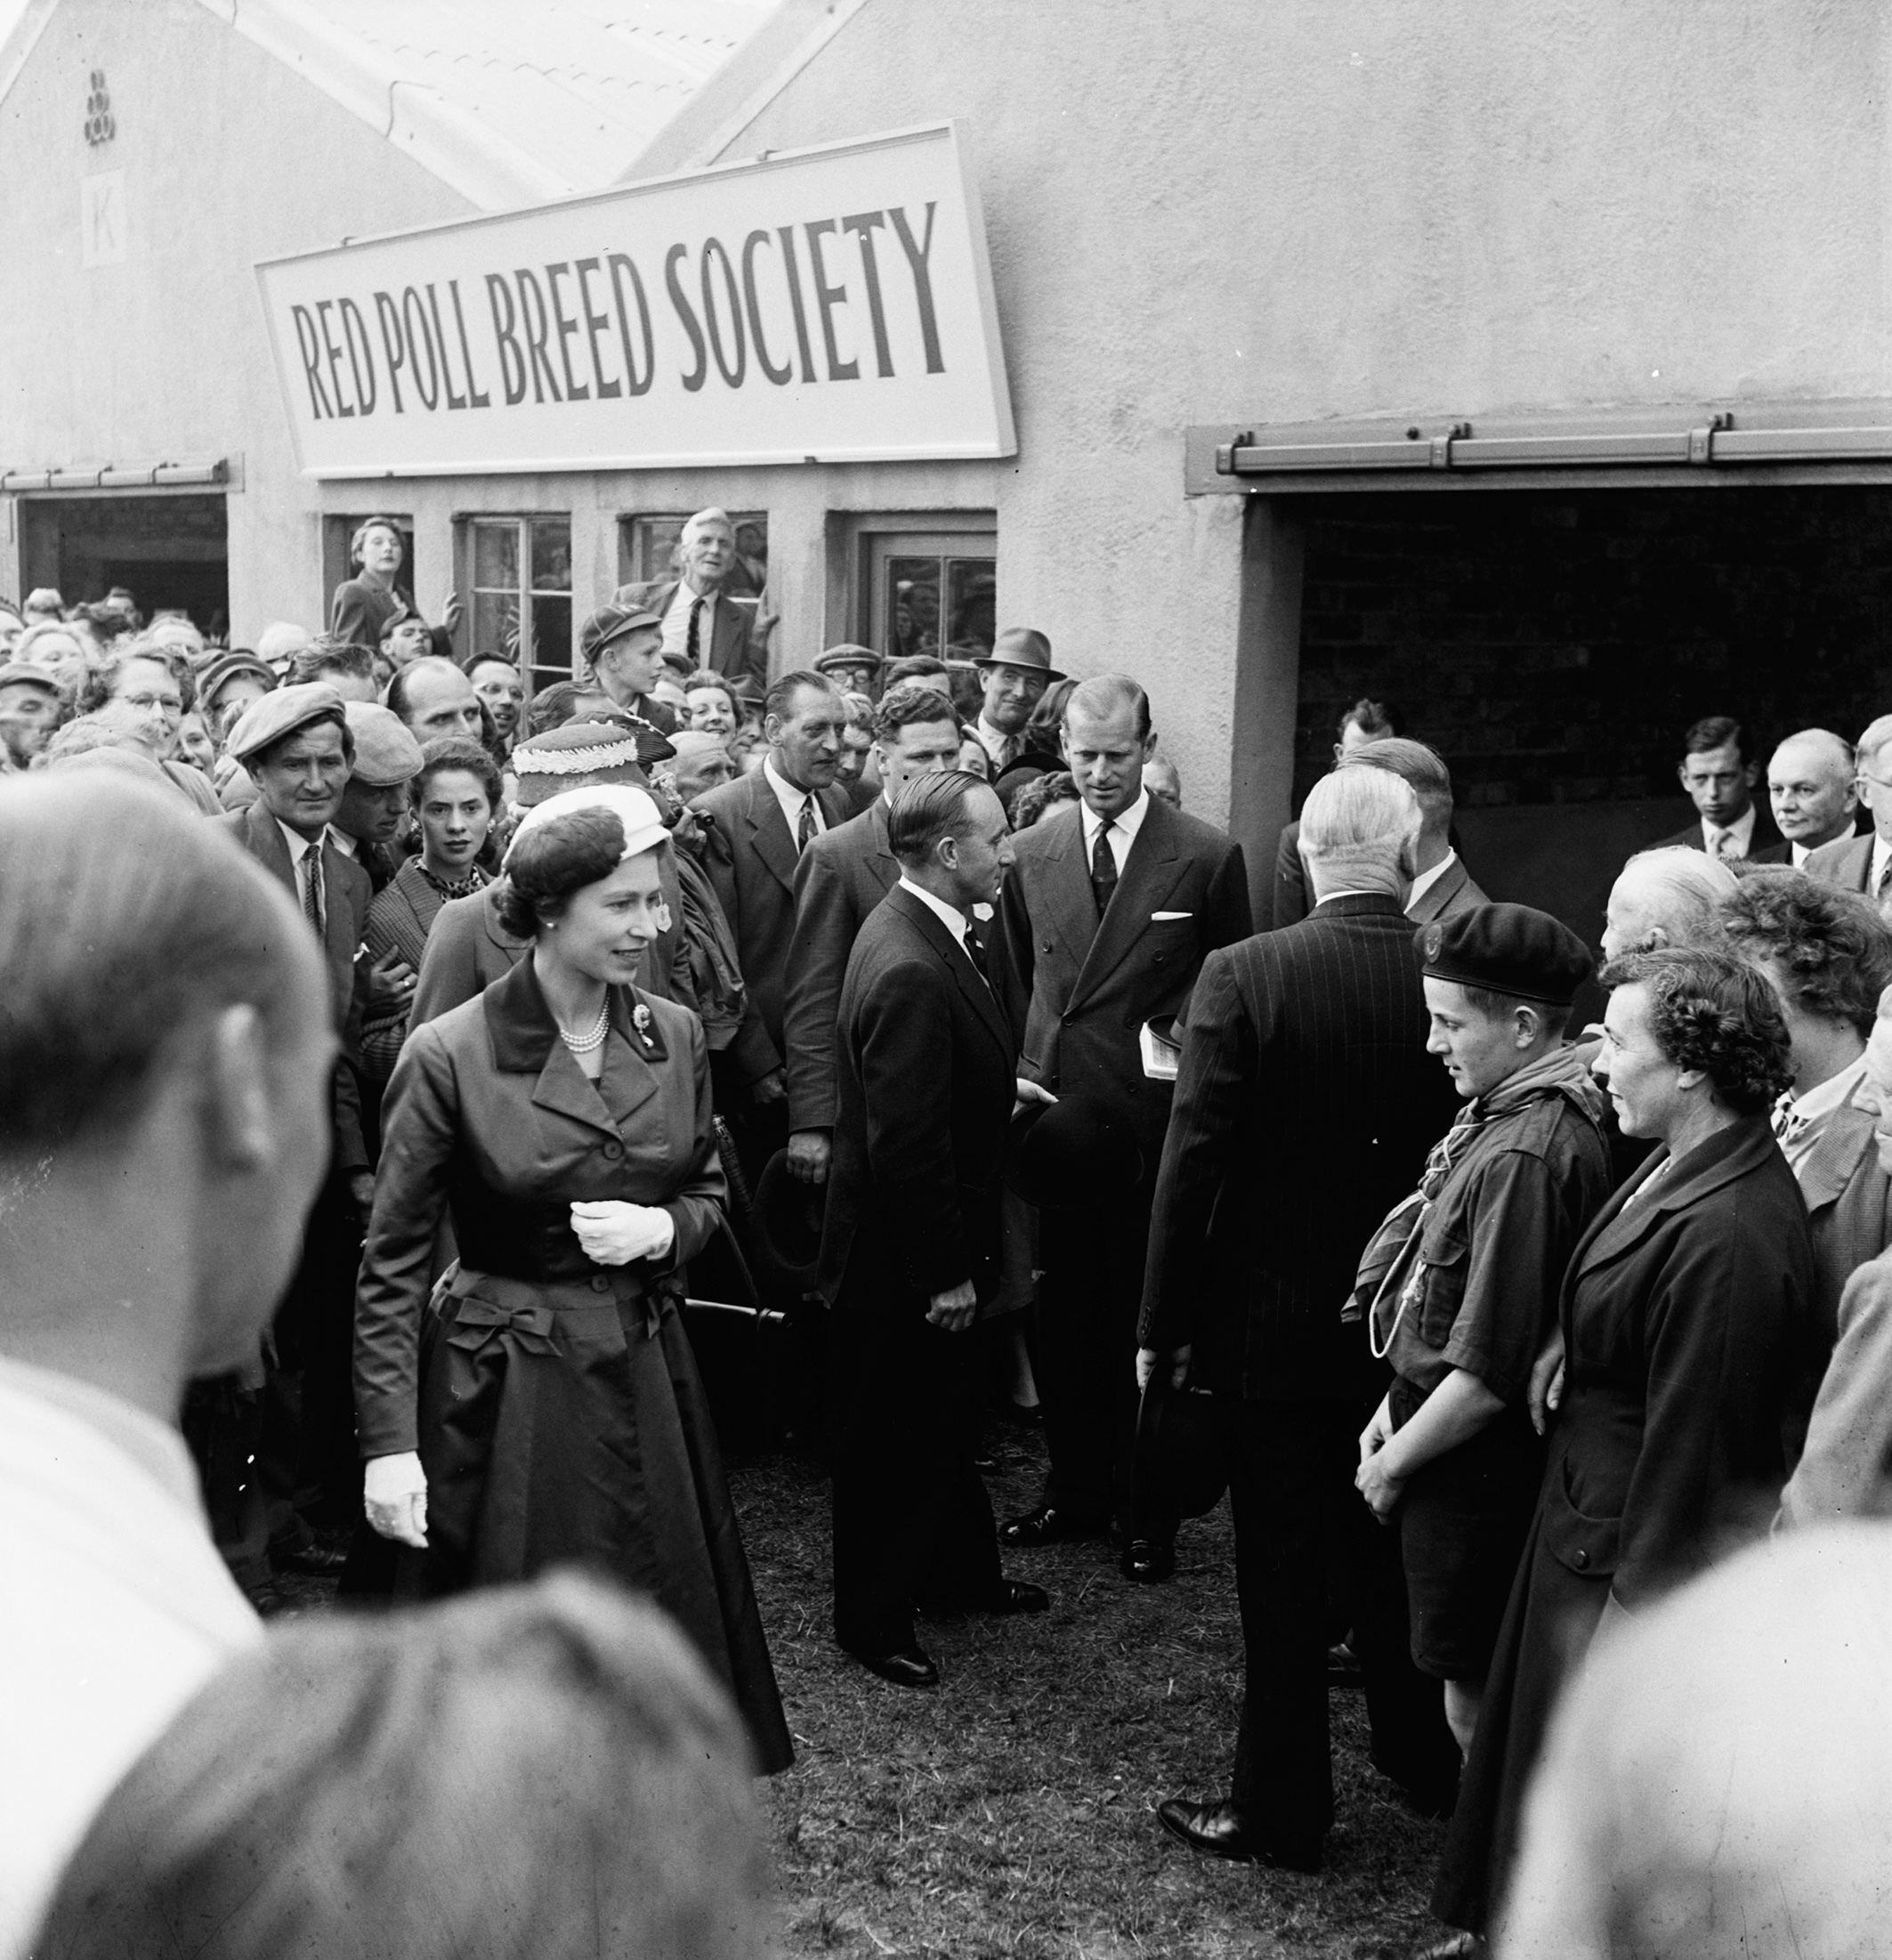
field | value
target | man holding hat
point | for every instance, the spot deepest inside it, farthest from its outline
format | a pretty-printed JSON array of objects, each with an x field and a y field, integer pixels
[
  {"x": 29, "y": 712},
  {"x": 1459, "y": 1286},
  {"x": 623, "y": 645},
  {"x": 1014, "y": 675},
  {"x": 299, "y": 751}
]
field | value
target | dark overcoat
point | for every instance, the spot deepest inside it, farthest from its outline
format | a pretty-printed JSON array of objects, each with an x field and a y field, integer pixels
[
  {"x": 555, "y": 1402},
  {"x": 1685, "y": 1308},
  {"x": 841, "y": 878}
]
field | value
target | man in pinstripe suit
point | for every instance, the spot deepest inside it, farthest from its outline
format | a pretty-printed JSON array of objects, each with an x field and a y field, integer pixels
[{"x": 1303, "y": 1113}]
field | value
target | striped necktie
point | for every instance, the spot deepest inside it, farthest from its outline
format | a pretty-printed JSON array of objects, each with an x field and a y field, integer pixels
[
  {"x": 312, "y": 888},
  {"x": 804, "y": 831}
]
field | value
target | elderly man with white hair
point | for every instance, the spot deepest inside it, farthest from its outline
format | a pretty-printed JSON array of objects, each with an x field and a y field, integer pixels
[
  {"x": 1303, "y": 1085},
  {"x": 702, "y": 622},
  {"x": 1670, "y": 897},
  {"x": 1864, "y": 863},
  {"x": 1810, "y": 783}
]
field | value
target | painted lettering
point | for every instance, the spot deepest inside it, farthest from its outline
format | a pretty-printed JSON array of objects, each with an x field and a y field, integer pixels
[
  {"x": 779, "y": 375},
  {"x": 334, "y": 352},
  {"x": 414, "y": 317},
  {"x": 594, "y": 324},
  {"x": 673, "y": 258},
  {"x": 786, "y": 233},
  {"x": 828, "y": 298},
  {"x": 473, "y": 395},
  {"x": 360, "y": 355},
  {"x": 575, "y": 391},
  {"x": 866, "y": 223},
  {"x": 393, "y": 344},
  {"x": 731, "y": 370},
  {"x": 538, "y": 325},
  {"x": 454, "y": 401},
  {"x": 311, "y": 347},
  {"x": 918, "y": 257},
  {"x": 511, "y": 359},
  {"x": 619, "y": 265}
]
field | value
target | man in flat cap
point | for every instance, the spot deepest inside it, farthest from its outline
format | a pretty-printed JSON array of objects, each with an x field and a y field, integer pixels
[
  {"x": 374, "y": 802},
  {"x": 1014, "y": 675},
  {"x": 1459, "y": 1286},
  {"x": 854, "y": 669},
  {"x": 695, "y": 612},
  {"x": 29, "y": 712},
  {"x": 623, "y": 646},
  {"x": 299, "y": 750}
]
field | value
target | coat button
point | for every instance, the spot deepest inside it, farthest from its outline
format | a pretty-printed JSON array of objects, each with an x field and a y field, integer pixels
[
  {"x": 1581, "y": 1557},
  {"x": 614, "y": 1151},
  {"x": 599, "y": 1284}
]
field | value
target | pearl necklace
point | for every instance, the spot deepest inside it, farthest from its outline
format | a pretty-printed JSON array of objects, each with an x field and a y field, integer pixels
[{"x": 584, "y": 1044}]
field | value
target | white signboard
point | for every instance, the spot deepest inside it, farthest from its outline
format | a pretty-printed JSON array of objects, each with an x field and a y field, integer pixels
[{"x": 827, "y": 304}]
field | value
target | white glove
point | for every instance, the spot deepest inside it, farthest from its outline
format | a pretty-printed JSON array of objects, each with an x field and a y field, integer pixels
[
  {"x": 394, "y": 1496},
  {"x": 614, "y": 1234}
]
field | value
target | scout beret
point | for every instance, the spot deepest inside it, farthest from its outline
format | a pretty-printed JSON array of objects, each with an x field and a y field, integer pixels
[
  {"x": 1507, "y": 949},
  {"x": 613, "y": 622},
  {"x": 583, "y": 754},
  {"x": 227, "y": 666},
  {"x": 282, "y": 713},
  {"x": 24, "y": 673},
  {"x": 385, "y": 752}
]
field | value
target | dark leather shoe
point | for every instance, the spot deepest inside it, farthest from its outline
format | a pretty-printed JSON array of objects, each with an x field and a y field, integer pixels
[
  {"x": 904, "y": 1666},
  {"x": 317, "y": 1560},
  {"x": 1219, "y": 1830},
  {"x": 1015, "y": 1596},
  {"x": 1148, "y": 1561},
  {"x": 1046, "y": 1525}
]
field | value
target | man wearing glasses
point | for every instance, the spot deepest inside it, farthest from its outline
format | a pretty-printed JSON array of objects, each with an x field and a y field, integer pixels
[{"x": 1864, "y": 863}]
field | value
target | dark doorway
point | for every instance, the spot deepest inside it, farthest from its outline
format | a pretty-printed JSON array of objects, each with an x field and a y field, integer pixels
[
  {"x": 1553, "y": 645},
  {"x": 173, "y": 551}
]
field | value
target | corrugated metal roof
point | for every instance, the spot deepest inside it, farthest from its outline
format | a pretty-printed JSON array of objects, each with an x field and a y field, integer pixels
[{"x": 511, "y": 102}]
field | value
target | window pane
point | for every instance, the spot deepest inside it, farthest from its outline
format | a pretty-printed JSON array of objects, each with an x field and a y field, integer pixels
[
  {"x": 495, "y": 624},
  {"x": 551, "y": 640},
  {"x": 496, "y": 556},
  {"x": 551, "y": 555},
  {"x": 913, "y": 607},
  {"x": 971, "y": 590}
]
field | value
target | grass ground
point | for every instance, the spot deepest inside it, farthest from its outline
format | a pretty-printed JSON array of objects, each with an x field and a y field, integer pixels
[
  {"x": 1011, "y": 1811},
  {"x": 1009, "y": 1814}
]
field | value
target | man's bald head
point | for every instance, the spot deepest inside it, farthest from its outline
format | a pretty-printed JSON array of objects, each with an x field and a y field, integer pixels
[
  {"x": 1810, "y": 786},
  {"x": 1671, "y": 897},
  {"x": 436, "y": 701}
]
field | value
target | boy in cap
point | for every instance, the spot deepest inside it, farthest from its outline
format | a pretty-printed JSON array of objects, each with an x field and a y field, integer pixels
[{"x": 1461, "y": 1283}]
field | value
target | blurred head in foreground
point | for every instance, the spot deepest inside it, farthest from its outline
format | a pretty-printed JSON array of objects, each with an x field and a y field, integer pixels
[{"x": 538, "y": 1772}]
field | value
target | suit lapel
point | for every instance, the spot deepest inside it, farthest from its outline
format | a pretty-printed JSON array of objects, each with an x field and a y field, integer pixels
[
  {"x": 525, "y": 1039},
  {"x": 1828, "y": 1166},
  {"x": 629, "y": 1080},
  {"x": 1148, "y": 875},
  {"x": 769, "y": 831},
  {"x": 931, "y": 929},
  {"x": 881, "y": 861},
  {"x": 270, "y": 848},
  {"x": 1440, "y": 893},
  {"x": 338, "y": 915},
  {"x": 1071, "y": 902}
]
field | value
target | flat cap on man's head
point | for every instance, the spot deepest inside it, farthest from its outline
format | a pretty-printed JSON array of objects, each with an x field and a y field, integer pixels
[
  {"x": 281, "y": 714},
  {"x": 385, "y": 751},
  {"x": 229, "y": 667},
  {"x": 1511, "y": 950},
  {"x": 613, "y": 622},
  {"x": 25, "y": 674},
  {"x": 848, "y": 655}
]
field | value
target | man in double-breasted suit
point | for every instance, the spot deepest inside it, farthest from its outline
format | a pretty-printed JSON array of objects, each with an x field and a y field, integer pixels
[
  {"x": 1104, "y": 926},
  {"x": 760, "y": 824},
  {"x": 1305, "y": 1108},
  {"x": 701, "y": 621},
  {"x": 909, "y": 1244},
  {"x": 297, "y": 748},
  {"x": 840, "y": 879}
]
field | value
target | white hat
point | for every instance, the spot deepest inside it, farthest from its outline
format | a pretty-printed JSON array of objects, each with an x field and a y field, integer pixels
[{"x": 643, "y": 822}]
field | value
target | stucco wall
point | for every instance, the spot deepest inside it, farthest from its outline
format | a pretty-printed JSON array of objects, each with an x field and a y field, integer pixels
[
  {"x": 1208, "y": 210},
  {"x": 228, "y": 158}
]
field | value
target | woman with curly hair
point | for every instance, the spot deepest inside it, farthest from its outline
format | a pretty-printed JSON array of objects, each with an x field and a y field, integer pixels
[
  {"x": 1829, "y": 955},
  {"x": 1685, "y": 1316}
]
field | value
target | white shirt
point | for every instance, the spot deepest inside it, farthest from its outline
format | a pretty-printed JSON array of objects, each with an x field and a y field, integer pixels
[
  {"x": 1425, "y": 881},
  {"x": 349, "y": 847},
  {"x": 1122, "y": 832},
  {"x": 955, "y": 921},
  {"x": 1881, "y": 858},
  {"x": 1741, "y": 829},
  {"x": 996, "y": 743},
  {"x": 299, "y": 849},
  {"x": 792, "y": 800},
  {"x": 1801, "y": 852},
  {"x": 1816, "y": 1105},
  {"x": 677, "y": 622},
  {"x": 114, "y": 1611}
]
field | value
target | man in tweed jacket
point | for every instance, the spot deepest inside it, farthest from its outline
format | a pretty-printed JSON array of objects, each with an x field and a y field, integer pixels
[{"x": 1303, "y": 1113}]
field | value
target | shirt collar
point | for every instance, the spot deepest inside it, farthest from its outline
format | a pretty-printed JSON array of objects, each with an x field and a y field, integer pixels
[
  {"x": 1741, "y": 829},
  {"x": 1425, "y": 881},
  {"x": 955, "y": 922},
  {"x": 1834, "y": 1093},
  {"x": 349, "y": 847},
  {"x": 299, "y": 845},
  {"x": 1129, "y": 823},
  {"x": 1881, "y": 851}
]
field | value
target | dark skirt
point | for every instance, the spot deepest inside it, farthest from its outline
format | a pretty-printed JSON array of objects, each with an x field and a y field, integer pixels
[
  {"x": 565, "y": 1424},
  {"x": 1552, "y": 1616}
]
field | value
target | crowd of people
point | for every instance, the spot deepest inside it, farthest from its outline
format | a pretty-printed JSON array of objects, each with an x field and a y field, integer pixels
[{"x": 419, "y": 1054}]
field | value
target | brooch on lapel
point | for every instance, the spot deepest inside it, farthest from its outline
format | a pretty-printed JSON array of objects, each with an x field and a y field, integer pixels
[{"x": 641, "y": 1021}]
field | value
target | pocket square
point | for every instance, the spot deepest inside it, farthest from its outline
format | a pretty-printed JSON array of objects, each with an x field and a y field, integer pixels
[{"x": 1157, "y": 918}]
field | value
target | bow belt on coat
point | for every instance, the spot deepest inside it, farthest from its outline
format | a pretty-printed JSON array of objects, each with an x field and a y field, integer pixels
[{"x": 541, "y": 1311}]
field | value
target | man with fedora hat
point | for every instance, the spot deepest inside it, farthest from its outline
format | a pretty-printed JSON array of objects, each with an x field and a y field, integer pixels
[
  {"x": 623, "y": 647},
  {"x": 1012, "y": 677},
  {"x": 1102, "y": 925},
  {"x": 1459, "y": 1286},
  {"x": 1304, "y": 1108},
  {"x": 911, "y": 1239}
]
